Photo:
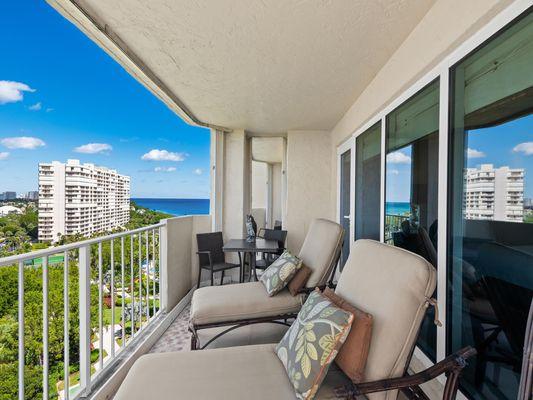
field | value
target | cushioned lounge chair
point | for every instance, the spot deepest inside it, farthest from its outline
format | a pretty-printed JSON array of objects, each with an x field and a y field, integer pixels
[
  {"x": 245, "y": 303},
  {"x": 390, "y": 283}
]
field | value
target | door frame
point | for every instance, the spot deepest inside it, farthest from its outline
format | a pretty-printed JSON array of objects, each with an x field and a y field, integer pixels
[{"x": 348, "y": 145}]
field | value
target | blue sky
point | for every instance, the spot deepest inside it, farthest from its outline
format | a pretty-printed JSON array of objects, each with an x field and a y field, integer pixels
[
  {"x": 61, "y": 92},
  {"x": 509, "y": 144}
]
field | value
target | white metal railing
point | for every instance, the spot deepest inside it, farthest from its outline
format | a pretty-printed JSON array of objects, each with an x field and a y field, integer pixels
[{"x": 140, "y": 257}]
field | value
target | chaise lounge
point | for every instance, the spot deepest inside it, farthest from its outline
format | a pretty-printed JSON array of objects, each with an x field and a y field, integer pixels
[
  {"x": 256, "y": 372},
  {"x": 247, "y": 303}
]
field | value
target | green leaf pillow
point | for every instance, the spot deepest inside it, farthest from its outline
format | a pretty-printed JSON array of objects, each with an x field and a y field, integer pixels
[
  {"x": 312, "y": 343},
  {"x": 280, "y": 272}
]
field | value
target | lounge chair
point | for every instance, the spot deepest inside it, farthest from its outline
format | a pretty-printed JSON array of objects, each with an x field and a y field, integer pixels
[
  {"x": 245, "y": 303},
  {"x": 390, "y": 283}
]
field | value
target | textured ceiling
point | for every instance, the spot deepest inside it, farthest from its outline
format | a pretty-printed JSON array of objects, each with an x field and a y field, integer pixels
[
  {"x": 267, "y": 66},
  {"x": 267, "y": 149}
]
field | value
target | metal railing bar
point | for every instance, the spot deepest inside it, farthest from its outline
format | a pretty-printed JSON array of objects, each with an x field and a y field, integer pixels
[
  {"x": 140, "y": 282},
  {"x": 5, "y": 261},
  {"x": 45, "y": 329},
  {"x": 123, "y": 292},
  {"x": 112, "y": 299},
  {"x": 154, "y": 269},
  {"x": 66, "y": 343},
  {"x": 146, "y": 243},
  {"x": 100, "y": 311},
  {"x": 132, "y": 292},
  {"x": 21, "y": 351}
]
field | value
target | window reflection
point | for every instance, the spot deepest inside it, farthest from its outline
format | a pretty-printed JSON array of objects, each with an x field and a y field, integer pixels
[
  {"x": 411, "y": 194},
  {"x": 491, "y": 243}
]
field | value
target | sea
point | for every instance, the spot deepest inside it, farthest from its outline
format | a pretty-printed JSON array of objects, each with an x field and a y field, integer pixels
[
  {"x": 397, "y": 208},
  {"x": 175, "y": 207},
  {"x": 179, "y": 207}
]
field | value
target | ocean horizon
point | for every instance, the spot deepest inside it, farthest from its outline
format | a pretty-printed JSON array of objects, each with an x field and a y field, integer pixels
[{"x": 175, "y": 207}]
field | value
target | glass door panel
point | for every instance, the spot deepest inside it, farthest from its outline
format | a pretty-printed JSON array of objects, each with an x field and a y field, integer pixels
[
  {"x": 368, "y": 183},
  {"x": 411, "y": 190},
  {"x": 490, "y": 261},
  {"x": 344, "y": 206}
]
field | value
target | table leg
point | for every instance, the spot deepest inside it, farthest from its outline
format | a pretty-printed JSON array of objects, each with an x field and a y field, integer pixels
[
  {"x": 241, "y": 269},
  {"x": 252, "y": 266}
]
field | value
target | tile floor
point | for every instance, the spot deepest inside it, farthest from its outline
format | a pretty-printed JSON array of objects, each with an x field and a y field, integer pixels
[{"x": 176, "y": 337}]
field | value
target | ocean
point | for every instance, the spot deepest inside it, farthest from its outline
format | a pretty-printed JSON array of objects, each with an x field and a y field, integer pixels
[
  {"x": 397, "y": 208},
  {"x": 176, "y": 207}
]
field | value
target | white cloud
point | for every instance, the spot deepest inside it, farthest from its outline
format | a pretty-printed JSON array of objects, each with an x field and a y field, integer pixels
[
  {"x": 94, "y": 148},
  {"x": 4, "y": 155},
  {"x": 473, "y": 153},
  {"x": 393, "y": 171},
  {"x": 164, "y": 169},
  {"x": 398, "y": 158},
  {"x": 198, "y": 171},
  {"x": 163, "y": 155},
  {"x": 36, "y": 107},
  {"x": 11, "y": 92},
  {"x": 22, "y": 142},
  {"x": 526, "y": 148},
  {"x": 49, "y": 109}
]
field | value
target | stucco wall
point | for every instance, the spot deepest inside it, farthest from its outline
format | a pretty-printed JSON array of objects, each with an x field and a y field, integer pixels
[
  {"x": 309, "y": 184},
  {"x": 182, "y": 262}
]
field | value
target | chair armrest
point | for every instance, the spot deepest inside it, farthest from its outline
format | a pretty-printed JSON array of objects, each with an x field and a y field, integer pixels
[
  {"x": 306, "y": 290},
  {"x": 452, "y": 366},
  {"x": 208, "y": 252}
]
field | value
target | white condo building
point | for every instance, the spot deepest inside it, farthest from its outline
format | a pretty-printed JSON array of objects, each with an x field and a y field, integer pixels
[
  {"x": 80, "y": 198},
  {"x": 494, "y": 193}
]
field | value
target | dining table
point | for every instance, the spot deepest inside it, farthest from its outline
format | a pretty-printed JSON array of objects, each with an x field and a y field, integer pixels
[{"x": 250, "y": 249}]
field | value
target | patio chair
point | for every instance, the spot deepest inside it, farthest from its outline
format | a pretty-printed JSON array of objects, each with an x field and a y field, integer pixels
[
  {"x": 211, "y": 256},
  {"x": 390, "y": 283},
  {"x": 246, "y": 303},
  {"x": 268, "y": 258}
]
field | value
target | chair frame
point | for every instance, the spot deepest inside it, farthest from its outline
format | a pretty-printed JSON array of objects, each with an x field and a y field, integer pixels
[{"x": 211, "y": 265}]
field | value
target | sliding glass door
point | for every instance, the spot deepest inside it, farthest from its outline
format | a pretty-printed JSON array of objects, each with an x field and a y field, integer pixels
[
  {"x": 345, "y": 163},
  {"x": 490, "y": 261},
  {"x": 411, "y": 194},
  {"x": 367, "y": 183}
]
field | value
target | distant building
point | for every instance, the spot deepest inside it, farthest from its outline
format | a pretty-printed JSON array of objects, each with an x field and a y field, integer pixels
[
  {"x": 6, "y": 210},
  {"x": 32, "y": 195},
  {"x": 528, "y": 202},
  {"x": 81, "y": 198},
  {"x": 494, "y": 193},
  {"x": 8, "y": 196}
]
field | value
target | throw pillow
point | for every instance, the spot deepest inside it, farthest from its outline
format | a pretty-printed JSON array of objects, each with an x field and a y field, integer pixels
[
  {"x": 312, "y": 342},
  {"x": 280, "y": 272},
  {"x": 354, "y": 352},
  {"x": 300, "y": 279}
]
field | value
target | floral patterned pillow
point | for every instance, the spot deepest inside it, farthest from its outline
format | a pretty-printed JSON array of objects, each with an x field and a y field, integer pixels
[
  {"x": 280, "y": 272},
  {"x": 312, "y": 342}
]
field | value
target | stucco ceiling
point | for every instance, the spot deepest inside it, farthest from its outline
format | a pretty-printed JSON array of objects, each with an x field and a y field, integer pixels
[
  {"x": 267, "y": 66},
  {"x": 267, "y": 149}
]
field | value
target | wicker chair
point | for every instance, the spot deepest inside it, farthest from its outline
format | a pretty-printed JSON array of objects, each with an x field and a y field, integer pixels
[{"x": 211, "y": 256}]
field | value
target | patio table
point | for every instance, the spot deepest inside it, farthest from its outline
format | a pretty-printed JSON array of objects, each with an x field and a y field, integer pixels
[{"x": 251, "y": 249}]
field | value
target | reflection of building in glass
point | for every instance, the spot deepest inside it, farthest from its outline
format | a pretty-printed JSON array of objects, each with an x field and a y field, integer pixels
[
  {"x": 494, "y": 193},
  {"x": 81, "y": 198}
]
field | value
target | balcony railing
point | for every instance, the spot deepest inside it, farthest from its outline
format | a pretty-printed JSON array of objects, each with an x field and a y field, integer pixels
[
  {"x": 110, "y": 290},
  {"x": 393, "y": 223}
]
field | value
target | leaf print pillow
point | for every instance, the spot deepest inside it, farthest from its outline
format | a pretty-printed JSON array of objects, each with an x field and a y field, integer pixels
[
  {"x": 312, "y": 343},
  {"x": 280, "y": 272}
]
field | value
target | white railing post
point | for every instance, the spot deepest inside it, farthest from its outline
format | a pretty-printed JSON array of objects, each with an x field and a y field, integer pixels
[
  {"x": 21, "y": 354},
  {"x": 85, "y": 317},
  {"x": 66, "y": 344},
  {"x": 45, "y": 329},
  {"x": 163, "y": 272}
]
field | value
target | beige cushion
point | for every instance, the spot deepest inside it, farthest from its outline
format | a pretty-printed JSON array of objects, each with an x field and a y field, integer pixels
[
  {"x": 246, "y": 372},
  {"x": 239, "y": 301},
  {"x": 391, "y": 284},
  {"x": 321, "y": 246}
]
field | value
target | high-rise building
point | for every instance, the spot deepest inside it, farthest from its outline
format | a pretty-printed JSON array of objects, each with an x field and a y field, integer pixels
[
  {"x": 81, "y": 198},
  {"x": 494, "y": 193},
  {"x": 8, "y": 196},
  {"x": 32, "y": 195}
]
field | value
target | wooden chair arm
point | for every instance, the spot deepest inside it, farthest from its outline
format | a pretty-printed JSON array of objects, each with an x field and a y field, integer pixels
[{"x": 451, "y": 365}]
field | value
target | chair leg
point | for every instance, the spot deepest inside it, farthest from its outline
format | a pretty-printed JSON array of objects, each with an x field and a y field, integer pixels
[
  {"x": 222, "y": 278},
  {"x": 212, "y": 280},
  {"x": 199, "y": 277}
]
